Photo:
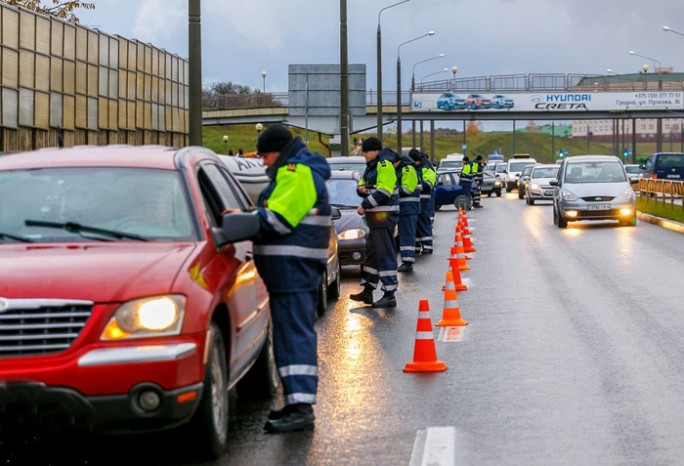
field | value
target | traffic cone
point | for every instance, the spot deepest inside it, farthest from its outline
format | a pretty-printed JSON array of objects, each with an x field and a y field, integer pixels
[
  {"x": 463, "y": 217},
  {"x": 451, "y": 314},
  {"x": 467, "y": 243},
  {"x": 460, "y": 229},
  {"x": 460, "y": 253},
  {"x": 424, "y": 352},
  {"x": 456, "y": 274}
]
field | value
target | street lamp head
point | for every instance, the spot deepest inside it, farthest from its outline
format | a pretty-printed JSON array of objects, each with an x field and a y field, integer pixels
[
  {"x": 431, "y": 33},
  {"x": 225, "y": 138},
  {"x": 666, "y": 29},
  {"x": 259, "y": 127},
  {"x": 263, "y": 73},
  {"x": 454, "y": 69},
  {"x": 644, "y": 68},
  {"x": 441, "y": 55},
  {"x": 632, "y": 52}
]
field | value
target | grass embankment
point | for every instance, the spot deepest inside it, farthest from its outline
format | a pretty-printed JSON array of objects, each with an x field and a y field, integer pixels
[
  {"x": 540, "y": 146},
  {"x": 659, "y": 209}
]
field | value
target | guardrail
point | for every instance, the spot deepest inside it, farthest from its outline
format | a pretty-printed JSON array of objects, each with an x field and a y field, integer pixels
[{"x": 662, "y": 191}]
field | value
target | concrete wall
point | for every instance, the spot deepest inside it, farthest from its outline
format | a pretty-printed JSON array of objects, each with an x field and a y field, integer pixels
[{"x": 61, "y": 81}]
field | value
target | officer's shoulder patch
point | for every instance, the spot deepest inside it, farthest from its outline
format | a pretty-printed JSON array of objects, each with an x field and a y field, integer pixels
[{"x": 291, "y": 167}]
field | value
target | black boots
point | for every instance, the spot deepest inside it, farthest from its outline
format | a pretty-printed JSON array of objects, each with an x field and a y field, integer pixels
[
  {"x": 365, "y": 296},
  {"x": 388, "y": 300},
  {"x": 405, "y": 267},
  {"x": 293, "y": 417}
]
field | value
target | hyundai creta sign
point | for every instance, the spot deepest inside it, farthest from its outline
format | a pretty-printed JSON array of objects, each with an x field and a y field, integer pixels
[{"x": 454, "y": 102}]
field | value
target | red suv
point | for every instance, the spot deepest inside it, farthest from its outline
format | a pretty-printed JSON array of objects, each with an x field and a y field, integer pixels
[{"x": 126, "y": 302}]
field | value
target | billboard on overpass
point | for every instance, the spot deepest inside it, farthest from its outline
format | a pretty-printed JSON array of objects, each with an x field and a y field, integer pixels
[{"x": 454, "y": 102}]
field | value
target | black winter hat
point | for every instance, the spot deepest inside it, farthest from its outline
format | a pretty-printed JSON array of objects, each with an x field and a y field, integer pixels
[
  {"x": 273, "y": 138},
  {"x": 415, "y": 155},
  {"x": 371, "y": 143}
]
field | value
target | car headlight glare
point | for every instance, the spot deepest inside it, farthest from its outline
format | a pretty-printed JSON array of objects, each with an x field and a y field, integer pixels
[
  {"x": 497, "y": 183},
  {"x": 568, "y": 196},
  {"x": 535, "y": 187},
  {"x": 627, "y": 195},
  {"x": 147, "y": 317},
  {"x": 356, "y": 233}
]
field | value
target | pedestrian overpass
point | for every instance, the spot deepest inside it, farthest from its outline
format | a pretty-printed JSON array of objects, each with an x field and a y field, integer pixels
[{"x": 487, "y": 98}]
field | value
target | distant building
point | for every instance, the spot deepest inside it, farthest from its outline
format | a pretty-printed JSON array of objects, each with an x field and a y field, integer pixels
[{"x": 646, "y": 129}]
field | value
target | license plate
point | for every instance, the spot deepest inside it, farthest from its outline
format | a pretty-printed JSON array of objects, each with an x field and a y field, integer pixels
[
  {"x": 598, "y": 206},
  {"x": 673, "y": 176},
  {"x": 548, "y": 193}
]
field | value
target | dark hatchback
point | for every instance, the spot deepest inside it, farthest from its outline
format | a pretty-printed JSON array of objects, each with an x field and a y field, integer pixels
[
  {"x": 351, "y": 228},
  {"x": 448, "y": 191}
]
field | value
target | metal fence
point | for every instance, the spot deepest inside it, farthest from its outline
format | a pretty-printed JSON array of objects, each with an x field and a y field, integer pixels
[{"x": 662, "y": 191}]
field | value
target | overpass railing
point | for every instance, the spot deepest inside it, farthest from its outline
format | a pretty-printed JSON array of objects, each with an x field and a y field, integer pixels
[{"x": 546, "y": 82}]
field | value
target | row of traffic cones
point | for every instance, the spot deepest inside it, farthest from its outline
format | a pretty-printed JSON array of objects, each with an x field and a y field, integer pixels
[{"x": 425, "y": 352}]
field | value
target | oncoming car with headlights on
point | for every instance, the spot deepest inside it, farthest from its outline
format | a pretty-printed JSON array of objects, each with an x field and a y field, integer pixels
[
  {"x": 352, "y": 231},
  {"x": 593, "y": 187},
  {"x": 128, "y": 303}
]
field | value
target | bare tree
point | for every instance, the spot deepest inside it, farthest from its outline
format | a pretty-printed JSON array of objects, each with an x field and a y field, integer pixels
[{"x": 59, "y": 8}]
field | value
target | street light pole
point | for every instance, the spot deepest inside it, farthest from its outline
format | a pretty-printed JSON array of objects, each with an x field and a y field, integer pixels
[
  {"x": 443, "y": 70},
  {"x": 413, "y": 75},
  {"x": 656, "y": 63},
  {"x": 399, "y": 109},
  {"x": 454, "y": 70},
  {"x": 263, "y": 75},
  {"x": 667, "y": 29},
  {"x": 195, "y": 73},
  {"x": 379, "y": 69}
]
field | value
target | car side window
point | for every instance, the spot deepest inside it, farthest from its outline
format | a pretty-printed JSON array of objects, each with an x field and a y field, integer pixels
[
  {"x": 226, "y": 194},
  {"x": 210, "y": 196},
  {"x": 240, "y": 195}
]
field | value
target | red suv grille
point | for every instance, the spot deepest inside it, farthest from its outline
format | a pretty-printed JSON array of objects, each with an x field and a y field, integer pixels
[{"x": 40, "y": 326}]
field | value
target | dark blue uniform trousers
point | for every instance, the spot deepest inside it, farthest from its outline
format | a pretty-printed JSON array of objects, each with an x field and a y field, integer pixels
[
  {"x": 424, "y": 226},
  {"x": 407, "y": 237},
  {"x": 467, "y": 186},
  {"x": 381, "y": 262},
  {"x": 294, "y": 344}
]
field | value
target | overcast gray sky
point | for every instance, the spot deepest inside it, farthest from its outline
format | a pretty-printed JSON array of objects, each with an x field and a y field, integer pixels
[{"x": 240, "y": 38}]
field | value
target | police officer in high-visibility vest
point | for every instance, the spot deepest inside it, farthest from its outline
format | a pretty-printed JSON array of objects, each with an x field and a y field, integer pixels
[
  {"x": 465, "y": 180},
  {"x": 290, "y": 254},
  {"x": 409, "y": 208},
  {"x": 478, "y": 179},
  {"x": 380, "y": 206},
  {"x": 427, "y": 179}
]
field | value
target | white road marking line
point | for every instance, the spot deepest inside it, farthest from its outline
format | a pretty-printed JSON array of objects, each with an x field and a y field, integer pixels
[
  {"x": 451, "y": 334},
  {"x": 434, "y": 446}
]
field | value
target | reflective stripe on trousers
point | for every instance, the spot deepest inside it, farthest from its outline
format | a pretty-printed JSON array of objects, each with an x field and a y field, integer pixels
[
  {"x": 407, "y": 237},
  {"x": 424, "y": 228},
  {"x": 381, "y": 260},
  {"x": 294, "y": 344}
]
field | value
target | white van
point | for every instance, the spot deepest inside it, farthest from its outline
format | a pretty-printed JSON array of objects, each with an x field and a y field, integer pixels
[
  {"x": 452, "y": 161},
  {"x": 514, "y": 168}
]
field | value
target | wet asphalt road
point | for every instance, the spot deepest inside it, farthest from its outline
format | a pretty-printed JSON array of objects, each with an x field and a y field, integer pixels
[{"x": 574, "y": 355}]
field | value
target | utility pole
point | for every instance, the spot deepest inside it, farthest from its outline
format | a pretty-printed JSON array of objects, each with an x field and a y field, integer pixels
[
  {"x": 195, "y": 73},
  {"x": 344, "y": 81}
]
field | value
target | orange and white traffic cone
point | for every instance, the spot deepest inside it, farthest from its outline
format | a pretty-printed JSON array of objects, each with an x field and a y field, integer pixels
[
  {"x": 460, "y": 253},
  {"x": 460, "y": 229},
  {"x": 463, "y": 217},
  {"x": 451, "y": 314},
  {"x": 424, "y": 352},
  {"x": 456, "y": 274},
  {"x": 467, "y": 242}
]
